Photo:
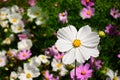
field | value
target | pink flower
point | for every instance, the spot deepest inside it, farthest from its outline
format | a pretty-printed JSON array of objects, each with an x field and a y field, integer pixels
[
  {"x": 114, "y": 13},
  {"x": 118, "y": 55},
  {"x": 97, "y": 64},
  {"x": 58, "y": 56},
  {"x": 51, "y": 51},
  {"x": 23, "y": 55},
  {"x": 87, "y": 13},
  {"x": 63, "y": 17},
  {"x": 87, "y": 2},
  {"x": 22, "y": 36},
  {"x": 49, "y": 76},
  {"x": 32, "y": 2},
  {"x": 83, "y": 72}
]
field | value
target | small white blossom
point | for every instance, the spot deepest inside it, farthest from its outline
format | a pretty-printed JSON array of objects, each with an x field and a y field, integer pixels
[{"x": 25, "y": 44}]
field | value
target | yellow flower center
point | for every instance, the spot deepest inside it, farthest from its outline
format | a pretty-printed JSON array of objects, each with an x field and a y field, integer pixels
[
  {"x": 43, "y": 57},
  {"x": 83, "y": 73},
  {"x": 63, "y": 14},
  {"x": 88, "y": 13},
  {"x": 15, "y": 20},
  {"x": 87, "y": 1},
  {"x": 19, "y": 28},
  {"x": 2, "y": 14},
  {"x": 76, "y": 43},
  {"x": 28, "y": 75},
  {"x": 8, "y": 40},
  {"x": 1, "y": 60},
  {"x": 59, "y": 65},
  {"x": 36, "y": 14},
  {"x": 24, "y": 55},
  {"x": 115, "y": 78},
  {"x": 9, "y": 53}
]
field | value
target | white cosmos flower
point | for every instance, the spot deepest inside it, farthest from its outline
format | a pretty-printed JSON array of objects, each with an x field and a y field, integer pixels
[
  {"x": 34, "y": 12},
  {"x": 30, "y": 72},
  {"x": 35, "y": 61},
  {"x": 13, "y": 75},
  {"x": 112, "y": 75},
  {"x": 8, "y": 40},
  {"x": 3, "y": 61},
  {"x": 14, "y": 18},
  {"x": 77, "y": 46},
  {"x": 17, "y": 28},
  {"x": 44, "y": 59},
  {"x": 3, "y": 13},
  {"x": 25, "y": 44},
  {"x": 4, "y": 23},
  {"x": 14, "y": 9}
]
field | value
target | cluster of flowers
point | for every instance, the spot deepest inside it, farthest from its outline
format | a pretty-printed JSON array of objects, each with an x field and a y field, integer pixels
[
  {"x": 112, "y": 29},
  {"x": 88, "y": 11},
  {"x": 15, "y": 32}
]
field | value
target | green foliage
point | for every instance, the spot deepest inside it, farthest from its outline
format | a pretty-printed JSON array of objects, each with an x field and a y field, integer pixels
[{"x": 44, "y": 38}]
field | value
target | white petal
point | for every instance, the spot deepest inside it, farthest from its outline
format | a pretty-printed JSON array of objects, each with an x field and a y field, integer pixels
[
  {"x": 110, "y": 73},
  {"x": 87, "y": 52},
  {"x": 67, "y": 33},
  {"x": 69, "y": 57},
  {"x": 83, "y": 31},
  {"x": 91, "y": 40},
  {"x": 63, "y": 45},
  {"x": 79, "y": 56}
]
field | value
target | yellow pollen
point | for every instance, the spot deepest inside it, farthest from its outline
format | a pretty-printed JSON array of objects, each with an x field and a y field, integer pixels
[
  {"x": 2, "y": 14},
  {"x": 83, "y": 73},
  {"x": 87, "y": 1},
  {"x": 7, "y": 40},
  {"x": 28, "y": 75},
  {"x": 115, "y": 78},
  {"x": 60, "y": 57},
  {"x": 24, "y": 55},
  {"x": 1, "y": 60},
  {"x": 36, "y": 14},
  {"x": 63, "y": 14},
  {"x": 19, "y": 28},
  {"x": 59, "y": 65},
  {"x": 88, "y": 13},
  {"x": 9, "y": 53},
  {"x": 76, "y": 43},
  {"x": 43, "y": 57},
  {"x": 14, "y": 20}
]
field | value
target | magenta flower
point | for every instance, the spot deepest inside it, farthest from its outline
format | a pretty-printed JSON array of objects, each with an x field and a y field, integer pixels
[
  {"x": 51, "y": 51},
  {"x": 97, "y": 64},
  {"x": 22, "y": 36},
  {"x": 87, "y": 2},
  {"x": 49, "y": 76},
  {"x": 87, "y": 13},
  {"x": 111, "y": 30},
  {"x": 32, "y": 2},
  {"x": 63, "y": 17},
  {"x": 114, "y": 13},
  {"x": 58, "y": 56},
  {"x": 118, "y": 55},
  {"x": 83, "y": 72},
  {"x": 23, "y": 55}
]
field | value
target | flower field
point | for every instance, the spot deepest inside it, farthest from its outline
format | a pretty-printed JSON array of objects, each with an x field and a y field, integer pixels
[{"x": 59, "y": 40}]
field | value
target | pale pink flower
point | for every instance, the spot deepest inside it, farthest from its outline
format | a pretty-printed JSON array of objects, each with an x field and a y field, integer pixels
[
  {"x": 58, "y": 56},
  {"x": 115, "y": 13},
  {"x": 87, "y": 2},
  {"x": 63, "y": 17},
  {"x": 87, "y": 13},
  {"x": 23, "y": 55},
  {"x": 22, "y": 36},
  {"x": 32, "y": 2}
]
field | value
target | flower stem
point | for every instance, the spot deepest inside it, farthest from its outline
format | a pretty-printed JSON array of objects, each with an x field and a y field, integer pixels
[{"x": 75, "y": 70}]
